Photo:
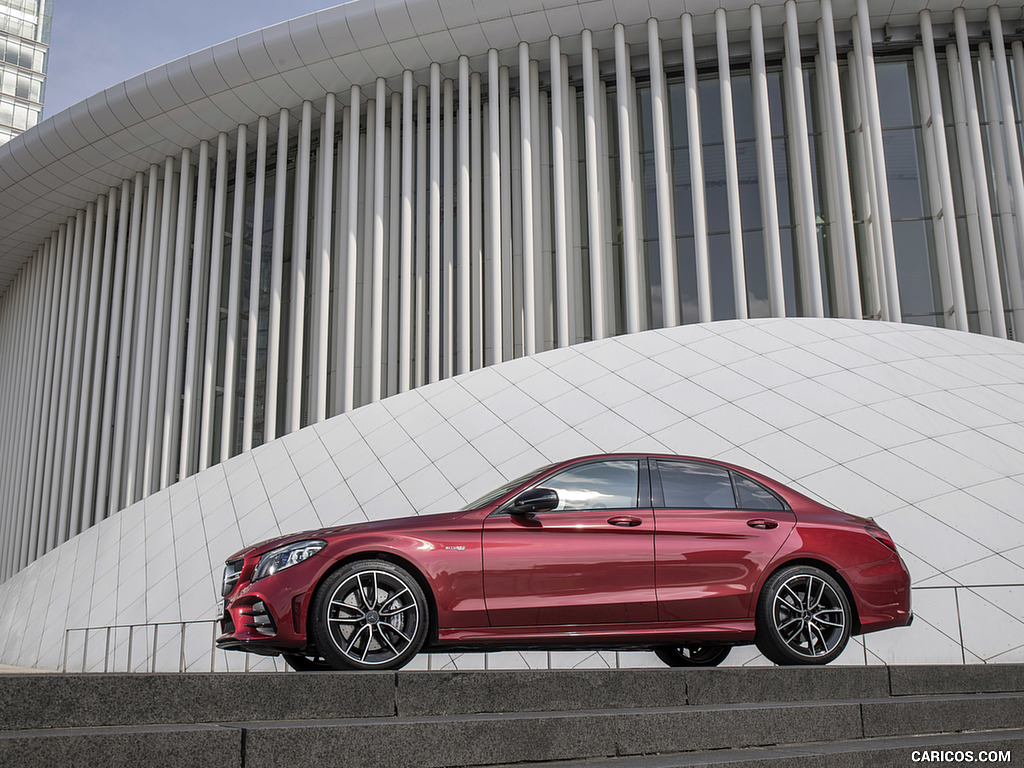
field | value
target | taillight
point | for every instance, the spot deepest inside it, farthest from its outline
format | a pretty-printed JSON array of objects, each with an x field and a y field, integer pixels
[{"x": 881, "y": 535}]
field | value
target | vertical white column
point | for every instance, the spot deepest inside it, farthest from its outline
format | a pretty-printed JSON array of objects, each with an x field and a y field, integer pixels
[
  {"x": 377, "y": 308},
  {"x": 448, "y": 235},
  {"x": 513, "y": 283},
  {"x": 405, "y": 328},
  {"x": 341, "y": 270},
  {"x": 434, "y": 310},
  {"x": 988, "y": 240},
  {"x": 836, "y": 127},
  {"x": 89, "y": 368},
  {"x": 175, "y": 358},
  {"x": 700, "y": 222},
  {"x": 227, "y": 423},
  {"x": 190, "y": 385},
  {"x": 561, "y": 214},
  {"x": 255, "y": 277},
  {"x": 322, "y": 282},
  {"x": 143, "y": 342},
  {"x": 494, "y": 318},
  {"x": 352, "y": 256},
  {"x": 463, "y": 319},
  {"x": 929, "y": 128},
  {"x": 213, "y": 306},
  {"x": 50, "y": 300},
  {"x": 945, "y": 184},
  {"x": 998, "y": 155},
  {"x": 41, "y": 410},
  {"x": 595, "y": 224},
  {"x": 807, "y": 238},
  {"x": 663, "y": 181},
  {"x": 394, "y": 240},
  {"x": 967, "y": 176},
  {"x": 506, "y": 346},
  {"x": 631, "y": 260},
  {"x": 159, "y": 338},
  {"x": 23, "y": 408},
  {"x": 829, "y": 189},
  {"x": 476, "y": 224},
  {"x": 19, "y": 326},
  {"x": 62, "y": 337},
  {"x": 315, "y": 242},
  {"x": 420, "y": 314},
  {"x": 544, "y": 308},
  {"x": 300, "y": 226},
  {"x": 14, "y": 333},
  {"x": 570, "y": 120},
  {"x": 877, "y": 305},
  {"x": 874, "y": 121},
  {"x": 61, "y": 372},
  {"x": 270, "y": 430},
  {"x": 107, "y": 479},
  {"x": 739, "y": 270},
  {"x": 766, "y": 167},
  {"x": 59, "y": 500},
  {"x": 1015, "y": 174},
  {"x": 526, "y": 153}
]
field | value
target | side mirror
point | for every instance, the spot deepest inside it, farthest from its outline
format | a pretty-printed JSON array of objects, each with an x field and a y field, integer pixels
[{"x": 534, "y": 500}]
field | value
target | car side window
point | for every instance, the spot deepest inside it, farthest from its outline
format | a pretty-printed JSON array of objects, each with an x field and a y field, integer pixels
[
  {"x": 598, "y": 485},
  {"x": 755, "y": 496},
  {"x": 692, "y": 485}
]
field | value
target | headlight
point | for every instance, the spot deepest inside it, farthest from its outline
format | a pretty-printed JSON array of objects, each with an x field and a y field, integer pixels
[{"x": 285, "y": 557}]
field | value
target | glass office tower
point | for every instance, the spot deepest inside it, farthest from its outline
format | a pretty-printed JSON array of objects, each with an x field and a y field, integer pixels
[{"x": 24, "y": 49}]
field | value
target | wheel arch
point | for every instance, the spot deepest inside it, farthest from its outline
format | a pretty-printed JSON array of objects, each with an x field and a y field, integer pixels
[
  {"x": 855, "y": 628},
  {"x": 390, "y": 557}
]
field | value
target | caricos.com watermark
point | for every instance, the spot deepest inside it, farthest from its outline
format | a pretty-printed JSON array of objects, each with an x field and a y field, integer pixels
[{"x": 955, "y": 756}]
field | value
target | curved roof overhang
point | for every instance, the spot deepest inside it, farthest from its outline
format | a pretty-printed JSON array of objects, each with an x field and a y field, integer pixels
[{"x": 53, "y": 170}]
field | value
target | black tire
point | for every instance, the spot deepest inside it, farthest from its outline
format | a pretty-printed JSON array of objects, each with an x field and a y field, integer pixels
[
  {"x": 693, "y": 655},
  {"x": 370, "y": 614},
  {"x": 803, "y": 617},
  {"x": 301, "y": 663}
]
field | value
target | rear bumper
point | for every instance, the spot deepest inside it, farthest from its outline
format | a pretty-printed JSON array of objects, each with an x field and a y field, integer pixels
[{"x": 881, "y": 591}]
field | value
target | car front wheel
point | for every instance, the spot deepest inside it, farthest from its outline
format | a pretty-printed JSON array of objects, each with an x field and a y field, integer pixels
[
  {"x": 803, "y": 617},
  {"x": 693, "y": 655},
  {"x": 370, "y": 614}
]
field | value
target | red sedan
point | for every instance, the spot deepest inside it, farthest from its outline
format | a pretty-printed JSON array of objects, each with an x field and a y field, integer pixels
[{"x": 683, "y": 556}]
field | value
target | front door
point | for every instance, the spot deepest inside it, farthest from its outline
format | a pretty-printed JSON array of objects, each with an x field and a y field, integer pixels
[{"x": 589, "y": 561}]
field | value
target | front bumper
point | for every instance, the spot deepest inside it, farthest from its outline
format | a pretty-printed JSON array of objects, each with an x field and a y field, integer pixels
[{"x": 269, "y": 616}]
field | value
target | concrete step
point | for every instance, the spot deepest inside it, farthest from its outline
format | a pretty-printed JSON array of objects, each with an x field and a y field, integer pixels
[
  {"x": 496, "y": 739},
  {"x": 69, "y": 701},
  {"x": 435, "y": 720},
  {"x": 1001, "y": 747}
]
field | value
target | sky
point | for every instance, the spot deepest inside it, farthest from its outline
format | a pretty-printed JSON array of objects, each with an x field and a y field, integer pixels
[{"x": 98, "y": 43}]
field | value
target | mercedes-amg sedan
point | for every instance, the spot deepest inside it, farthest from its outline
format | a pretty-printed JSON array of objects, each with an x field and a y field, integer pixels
[{"x": 683, "y": 556}]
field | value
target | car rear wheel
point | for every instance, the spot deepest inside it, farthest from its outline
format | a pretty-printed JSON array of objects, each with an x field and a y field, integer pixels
[
  {"x": 370, "y": 614},
  {"x": 803, "y": 617},
  {"x": 693, "y": 655}
]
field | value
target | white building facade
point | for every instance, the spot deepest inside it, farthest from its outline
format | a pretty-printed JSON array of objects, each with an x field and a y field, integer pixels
[{"x": 311, "y": 229}]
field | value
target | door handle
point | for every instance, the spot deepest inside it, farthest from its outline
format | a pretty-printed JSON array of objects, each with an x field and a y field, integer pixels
[
  {"x": 624, "y": 521},
  {"x": 763, "y": 524}
]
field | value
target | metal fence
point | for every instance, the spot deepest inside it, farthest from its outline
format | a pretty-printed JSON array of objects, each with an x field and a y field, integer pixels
[{"x": 189, "y": 646}]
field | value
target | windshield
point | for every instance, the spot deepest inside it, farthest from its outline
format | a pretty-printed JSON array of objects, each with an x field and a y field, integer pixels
[{"x": 500, "y": 491}]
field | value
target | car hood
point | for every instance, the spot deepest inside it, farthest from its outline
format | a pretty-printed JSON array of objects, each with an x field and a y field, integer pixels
[{"x": 404, "y": 524}]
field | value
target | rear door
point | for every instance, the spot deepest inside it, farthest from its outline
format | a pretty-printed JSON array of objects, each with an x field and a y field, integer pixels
[
  {"x": 589, "y": 561},
  {"x": 716, "y": 531}
]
